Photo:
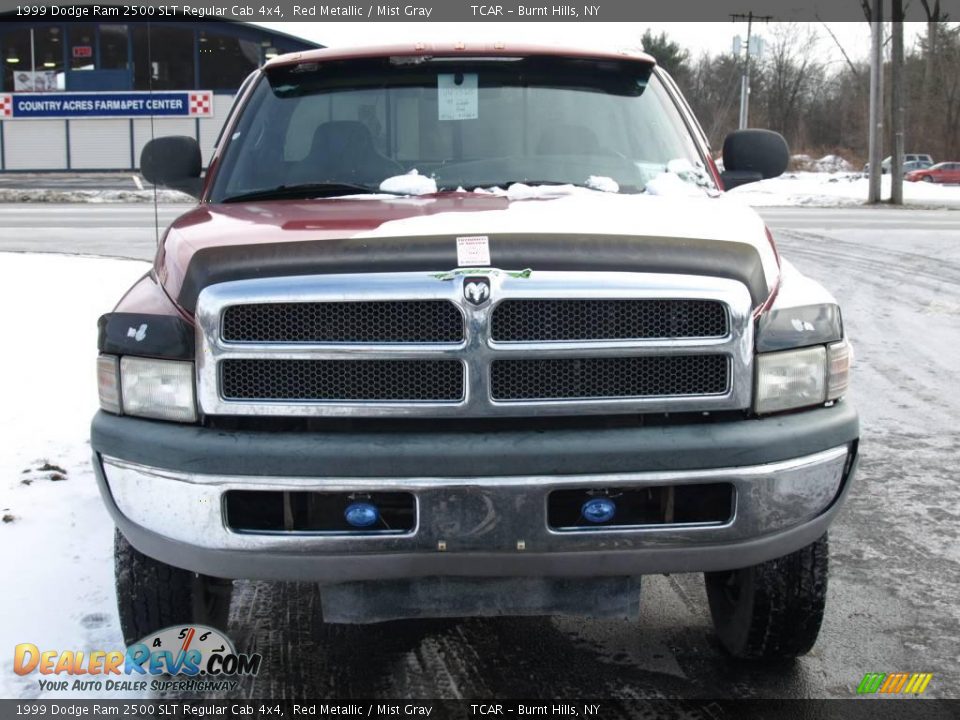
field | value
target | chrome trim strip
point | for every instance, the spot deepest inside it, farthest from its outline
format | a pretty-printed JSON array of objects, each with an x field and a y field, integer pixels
[
  {"x": 478, "y": 514},
  {"x": 478, "y": 350}
]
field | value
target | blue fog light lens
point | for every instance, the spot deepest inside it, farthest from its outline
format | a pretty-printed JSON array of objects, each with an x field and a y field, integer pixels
[
  {"x": 361, "y": 514},
  {"x": 598, "y": 510}
]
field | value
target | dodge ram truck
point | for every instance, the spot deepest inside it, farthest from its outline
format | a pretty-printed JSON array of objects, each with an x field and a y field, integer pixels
[{"x": 472, "y": 330}]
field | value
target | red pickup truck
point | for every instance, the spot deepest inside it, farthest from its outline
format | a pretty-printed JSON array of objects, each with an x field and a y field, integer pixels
[{"x": 473, "y": 330}]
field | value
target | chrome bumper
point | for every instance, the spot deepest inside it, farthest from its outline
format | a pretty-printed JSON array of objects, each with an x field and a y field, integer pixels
[{"x": 505, "y": 516}]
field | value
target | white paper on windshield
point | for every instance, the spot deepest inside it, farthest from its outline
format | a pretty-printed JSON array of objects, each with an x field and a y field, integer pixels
[
  {"x": 473, "y": 250},
  {"x": 457, "y": 101}
]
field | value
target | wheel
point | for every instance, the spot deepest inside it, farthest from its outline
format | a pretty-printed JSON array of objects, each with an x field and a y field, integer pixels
[
  {"x": 774, "y": 609},
  {"x": 927, "y": 178},
  {"x": 152, "y": 595}
]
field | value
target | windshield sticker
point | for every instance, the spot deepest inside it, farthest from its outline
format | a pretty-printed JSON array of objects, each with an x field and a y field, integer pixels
[
  {"x": 473, "y": 250},
  {"x": 457, "y": 96}
]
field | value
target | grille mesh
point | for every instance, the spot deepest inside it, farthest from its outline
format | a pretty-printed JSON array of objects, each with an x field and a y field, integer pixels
[
  {"x": 385, "y": 380},
  {"x": 416, "y": 321},
  {"x": 628, "y": 377},
  {"x": 552, "y": 320}
]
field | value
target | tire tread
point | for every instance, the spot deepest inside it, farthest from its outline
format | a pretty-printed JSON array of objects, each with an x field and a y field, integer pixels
[{"x": 787, "y": 603}]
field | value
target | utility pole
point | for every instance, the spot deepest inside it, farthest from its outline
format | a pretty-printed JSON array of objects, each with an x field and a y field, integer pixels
[
  {"x": 745, "y": 80},
  {"x": 876, "y": 101},
  {"x": 896, "y": 104},
  {"x": 33, "y": 63}
]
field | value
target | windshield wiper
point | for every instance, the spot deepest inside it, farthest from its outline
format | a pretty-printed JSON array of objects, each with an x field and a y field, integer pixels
[{"x": 305, "y": 190}]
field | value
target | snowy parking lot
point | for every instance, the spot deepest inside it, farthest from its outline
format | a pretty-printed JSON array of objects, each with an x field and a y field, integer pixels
[
  {"x": 895, "y": 549},
  {"x": 55, "y": 538},
  {"x": 840, "y": 189}
]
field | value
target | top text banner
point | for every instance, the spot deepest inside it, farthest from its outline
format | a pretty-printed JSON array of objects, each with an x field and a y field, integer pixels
[{"x": 450, "y": 10}]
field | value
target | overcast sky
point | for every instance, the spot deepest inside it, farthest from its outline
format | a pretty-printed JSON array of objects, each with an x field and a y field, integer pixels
[{"x": 698, "y": 37}]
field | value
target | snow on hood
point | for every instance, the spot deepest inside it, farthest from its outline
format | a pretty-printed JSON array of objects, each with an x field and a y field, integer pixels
[
  {"x": 412, "y": 183},
  {"x": 670, "y": 183},
  {"x": 596, "y": 213}
]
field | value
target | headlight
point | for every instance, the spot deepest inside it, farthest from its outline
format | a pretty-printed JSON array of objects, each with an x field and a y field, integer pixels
[
  {"x": 162, "y": 389},
  {"x": 801, "y": 378}
]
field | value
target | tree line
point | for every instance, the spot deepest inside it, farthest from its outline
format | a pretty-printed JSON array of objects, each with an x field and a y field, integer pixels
[{"x": 822, "y": 107}]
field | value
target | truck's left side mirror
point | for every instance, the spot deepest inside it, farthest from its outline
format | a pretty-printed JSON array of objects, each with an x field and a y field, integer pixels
[
  {"x": 752, "y": 155},
  {"x": 174, "y": 162}
]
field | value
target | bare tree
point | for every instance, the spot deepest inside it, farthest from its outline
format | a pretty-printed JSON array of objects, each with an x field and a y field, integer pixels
[
  {"x": 793, "y": 77},
  {"x": 934, "y": 17}
]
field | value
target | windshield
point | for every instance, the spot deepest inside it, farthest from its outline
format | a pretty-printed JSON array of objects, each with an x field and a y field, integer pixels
[{"x": 344, "y": 127}]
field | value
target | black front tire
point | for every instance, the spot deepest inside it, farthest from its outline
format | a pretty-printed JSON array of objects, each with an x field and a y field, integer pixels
[
  {"x": 772, "y": 610},
  {"x": 152, "y": 595}
]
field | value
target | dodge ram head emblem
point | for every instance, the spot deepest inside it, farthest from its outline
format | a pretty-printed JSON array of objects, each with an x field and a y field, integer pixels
[{"x": 476, "y": 290}]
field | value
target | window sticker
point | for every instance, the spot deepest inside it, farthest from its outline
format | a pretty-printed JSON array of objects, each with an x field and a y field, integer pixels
[
  {"x": 473, "y": 250},
  {"x": 457, "y": 96}
]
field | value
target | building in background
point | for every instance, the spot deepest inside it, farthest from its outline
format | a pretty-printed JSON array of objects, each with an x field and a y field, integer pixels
[{"x": 87, "y": 96}]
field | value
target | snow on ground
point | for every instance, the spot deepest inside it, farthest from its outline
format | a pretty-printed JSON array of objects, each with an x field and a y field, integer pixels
[
  {"x": 840, "y": 189},
  {"x": 56, "y": 537},
  {"x": 828, "y": 163}
]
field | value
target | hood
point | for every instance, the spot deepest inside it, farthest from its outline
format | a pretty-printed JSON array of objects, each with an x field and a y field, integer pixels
[{"x": 554, "y": 230}]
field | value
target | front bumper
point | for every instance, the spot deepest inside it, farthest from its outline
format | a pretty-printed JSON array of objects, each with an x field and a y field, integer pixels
[{"x": 477, "y": 523}]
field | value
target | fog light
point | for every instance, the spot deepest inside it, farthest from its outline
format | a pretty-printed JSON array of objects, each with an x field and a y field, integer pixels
[
  {"x": 598, "y": 510},
  {"x": 361, "y": 514}
]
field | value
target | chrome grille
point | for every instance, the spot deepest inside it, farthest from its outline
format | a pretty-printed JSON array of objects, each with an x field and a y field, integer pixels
[
  {"x": 620, "y": 377},
  {"x": 553, "y": 320},
  {"x": 383, "y": 380},
  {"x": 542, "y": 343},
  {"x": 411, "y": 321}
]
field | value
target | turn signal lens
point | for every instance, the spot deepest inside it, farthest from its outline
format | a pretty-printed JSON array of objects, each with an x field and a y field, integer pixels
[
  {"x": 838, "y": 369},
  {"x": 108, "y": 382}
]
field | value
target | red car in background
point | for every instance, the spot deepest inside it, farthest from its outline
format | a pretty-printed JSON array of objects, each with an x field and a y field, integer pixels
[{"x": 945, "y": 172}]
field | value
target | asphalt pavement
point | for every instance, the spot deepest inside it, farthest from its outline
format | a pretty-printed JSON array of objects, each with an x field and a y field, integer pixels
[
  {"x": 895, "y": 550},
  {"x": 72, "y": 181}
]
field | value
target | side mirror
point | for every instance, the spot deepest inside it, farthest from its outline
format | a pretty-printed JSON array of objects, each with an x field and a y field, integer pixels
[
  {"x": 752, "y": 155},
  {"x": 174, "y": 162}
]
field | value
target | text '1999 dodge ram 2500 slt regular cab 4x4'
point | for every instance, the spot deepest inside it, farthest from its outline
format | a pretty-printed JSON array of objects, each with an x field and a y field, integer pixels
[{"x": 473, "y": 330}]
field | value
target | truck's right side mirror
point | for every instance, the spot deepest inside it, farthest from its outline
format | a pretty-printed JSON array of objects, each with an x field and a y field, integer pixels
[
  {"x": 174, "y": 162},
  {"x": 752, "y": 155}
]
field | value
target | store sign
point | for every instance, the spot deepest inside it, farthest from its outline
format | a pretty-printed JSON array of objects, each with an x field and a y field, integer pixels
[
  {"x": 186, "y": 103},
  {"x": 83, "y": 51}
]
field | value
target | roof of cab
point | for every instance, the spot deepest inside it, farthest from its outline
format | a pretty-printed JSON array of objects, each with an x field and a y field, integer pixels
[{"x": 452, "y": 49}]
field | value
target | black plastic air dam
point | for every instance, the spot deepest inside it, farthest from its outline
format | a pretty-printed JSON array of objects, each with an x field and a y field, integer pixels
[
  {"x": 451, "y": 597},
  {"x": 581, "y": 253},
  {"x": 738, "y": 443}
]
